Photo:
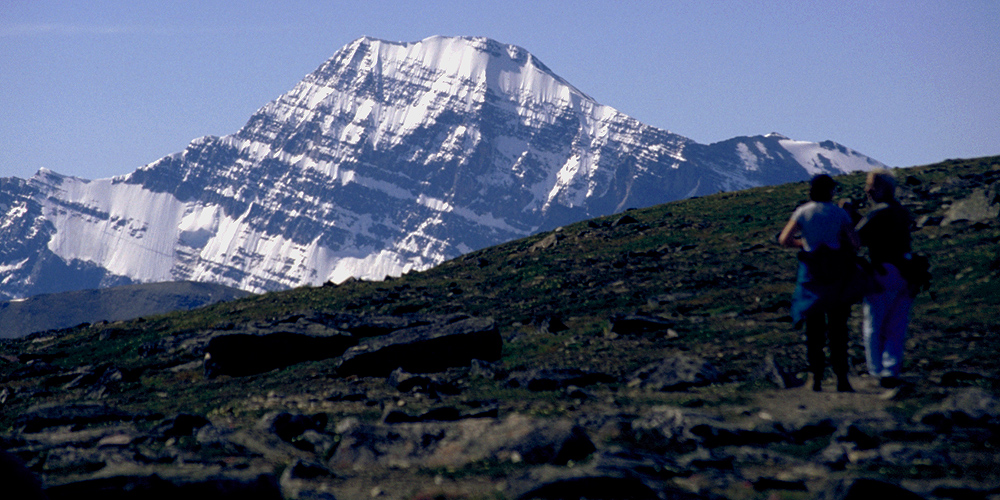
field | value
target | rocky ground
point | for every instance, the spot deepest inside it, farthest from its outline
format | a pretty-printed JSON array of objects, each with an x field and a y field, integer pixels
[{"x": 648, "y": 355}]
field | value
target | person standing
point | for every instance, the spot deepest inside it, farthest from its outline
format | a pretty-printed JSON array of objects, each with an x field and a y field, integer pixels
[
  {"x": 829, "y": 246},
  {"x": 885, "y": 230}
]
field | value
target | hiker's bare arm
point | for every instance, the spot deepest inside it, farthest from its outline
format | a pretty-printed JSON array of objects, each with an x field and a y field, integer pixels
[{"x": 787, "y": 237}]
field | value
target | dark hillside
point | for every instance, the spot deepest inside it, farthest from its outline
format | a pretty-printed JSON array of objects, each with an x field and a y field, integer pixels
[
  {"x": 62, "y": 310},
  {"x": 654, "y": 347}
]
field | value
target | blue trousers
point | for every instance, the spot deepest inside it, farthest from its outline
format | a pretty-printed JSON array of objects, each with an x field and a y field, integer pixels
[{"x": 886, "y": 317}]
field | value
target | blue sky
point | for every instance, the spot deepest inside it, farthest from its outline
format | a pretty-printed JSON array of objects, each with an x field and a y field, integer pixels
[{"x": 97, "y": 89}]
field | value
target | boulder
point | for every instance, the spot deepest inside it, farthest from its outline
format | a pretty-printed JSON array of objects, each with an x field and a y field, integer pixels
[
  {"x": 517, "y": 438},
  {"x": 980, "y": 205},
  {"x": 554, "y": 379},
  {"x": 973, "y": 407},
  {"x": 864, "y": 489},
  {"x": 424, "y": 349},
  {"x": 288, "y": 426},
  {"x": 631, "y": 324},
  {"x": 38, "y": 418},
  {"x": 184, "y": 424},
  {"x": 155, "y": 487},
  {"x": 247, "y": 354},
  {"x": 675, "y": 373},
  {"x": 16, "y": 481},
  {"x": 596, "y": 487}
]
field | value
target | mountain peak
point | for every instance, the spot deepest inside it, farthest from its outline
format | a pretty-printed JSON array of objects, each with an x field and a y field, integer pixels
[{"x": 389, "y": 157}]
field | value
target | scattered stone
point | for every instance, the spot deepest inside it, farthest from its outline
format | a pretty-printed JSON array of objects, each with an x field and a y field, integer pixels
[
  {"x": 155, "y": 487},
  {"x": 770, "y": 371},
  {"x": 488, "y": 370},
  {"x": 554, "y": 379},
  {"x": 865, "y": 489},
  {"x": 38, "y": 418},
  {"x": 424, "y": 349},
  {"x": 517, "y": 438},
  {"x": 288, "y": 426},
  {"x": 675, "y": 373},
  {"x": 549, "y": 241},
  {"x": 624, "y": 220},
  {"x": 630, "y": 324},
  {"x": 593, "y": 487},
  {"x": 440, "y": 414},
  {"x": 967, "y": 407},
  {"x": 184, "y": 424},
  {"x": 961, "y": 379}
]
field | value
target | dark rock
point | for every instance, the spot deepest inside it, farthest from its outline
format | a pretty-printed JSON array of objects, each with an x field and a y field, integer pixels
[
  {"x": 516, "y": 438},
  {"x": 288, "y": 426},
  {"x": 865, "y": 489},
  {"x": 767, "y": 483},
  {"x": 597, "y": 488},
  {"x": 623, "y": 220},
  {"x": 630, "y": 324},
  {"x": 16, "y": 481},
  {"x": 259, "y": 487},
  {"x": 184, "y": 424},
  {"x": 772, "y": 372},
  {"x": 424, "y": 349},
  {"x": 33, "y": 368},
  {"x": 675, "y": 373},
  {"x": 40, "y": 417},
  {"x": 550, "y": 324},
  {"x": 362, "y": 326},
  {"x": 668, "y": 426},
  {"x": 971, "y": 406},
  {"x": 488, "y": 370},
  {"x": 424, "y": 383},
  {"x": 245, "y": 354},
  {"x": 929, "y": 221},
  {"x": 557, "y": 378},
  {"x": 442, "y": 414},
  {"x": 961, "y": 379}
]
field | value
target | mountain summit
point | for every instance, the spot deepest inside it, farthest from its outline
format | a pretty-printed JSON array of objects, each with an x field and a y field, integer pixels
[{"x": 390, "y": 157}]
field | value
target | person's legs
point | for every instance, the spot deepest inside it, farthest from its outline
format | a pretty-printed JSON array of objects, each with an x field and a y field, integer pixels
[
  {"x": 894, "y": 326},
  {"x": 838, "y": 345},
  {"x": 875, "y": 310},
  {"x": 815, "y": 340}
]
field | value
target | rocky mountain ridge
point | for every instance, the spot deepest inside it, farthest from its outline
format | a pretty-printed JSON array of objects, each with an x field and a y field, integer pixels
[{"x": 390, "y": 157}]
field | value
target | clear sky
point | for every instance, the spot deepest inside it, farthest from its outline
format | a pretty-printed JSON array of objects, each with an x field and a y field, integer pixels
[{"x": 98, "y": 88}]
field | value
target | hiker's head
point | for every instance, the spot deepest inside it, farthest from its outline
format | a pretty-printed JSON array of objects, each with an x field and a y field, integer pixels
[
  {"x": 880, "y": 185},
  {"x": 821, "y": 188}
]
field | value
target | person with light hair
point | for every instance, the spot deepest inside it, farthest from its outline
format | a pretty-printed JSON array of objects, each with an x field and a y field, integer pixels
[{"x": 885, "y": 230}]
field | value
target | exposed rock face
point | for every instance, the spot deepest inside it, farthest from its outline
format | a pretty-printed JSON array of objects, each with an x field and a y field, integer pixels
[{"x": 389, "y": 157}]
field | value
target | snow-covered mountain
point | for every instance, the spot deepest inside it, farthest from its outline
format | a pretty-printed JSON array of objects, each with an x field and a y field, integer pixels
[{"x": 389, "y": 157}]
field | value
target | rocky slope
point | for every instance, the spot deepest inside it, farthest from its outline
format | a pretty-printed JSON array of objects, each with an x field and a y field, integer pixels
[
  {"x": 390, "y": 157},
  {"x": 644, "y": 355}
]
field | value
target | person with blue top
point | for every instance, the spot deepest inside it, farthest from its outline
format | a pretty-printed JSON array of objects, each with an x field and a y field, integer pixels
[{"x": 825, "y": 234}]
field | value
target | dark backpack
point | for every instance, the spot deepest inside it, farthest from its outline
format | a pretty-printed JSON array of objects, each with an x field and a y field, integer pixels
[{"x": 915, "y": 268}]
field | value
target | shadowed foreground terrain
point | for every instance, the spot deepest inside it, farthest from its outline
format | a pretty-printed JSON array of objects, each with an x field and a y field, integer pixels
[{"x": 645, "y": 355}]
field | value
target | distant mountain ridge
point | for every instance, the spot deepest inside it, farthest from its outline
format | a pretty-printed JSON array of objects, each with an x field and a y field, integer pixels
[
  {"x": 67, "y": 309},
  {"x": 390, "y": 157}
]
